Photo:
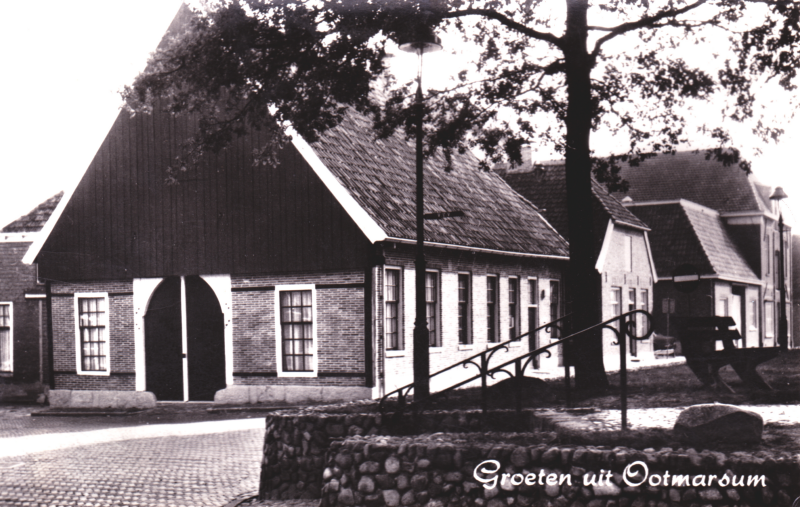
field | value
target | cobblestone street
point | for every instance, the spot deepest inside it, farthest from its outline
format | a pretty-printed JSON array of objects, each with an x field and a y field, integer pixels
[{"x": 52, "y": 461}]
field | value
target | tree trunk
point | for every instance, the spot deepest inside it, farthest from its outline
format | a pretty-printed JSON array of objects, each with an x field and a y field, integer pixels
[{"x": 583, "y": 281}]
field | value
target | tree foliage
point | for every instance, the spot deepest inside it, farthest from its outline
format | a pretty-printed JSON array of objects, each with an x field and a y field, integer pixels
[{"x": 545, "y": 72}]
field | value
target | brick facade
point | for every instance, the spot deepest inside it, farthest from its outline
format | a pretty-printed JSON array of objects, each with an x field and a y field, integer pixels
[
  {"x": 448, "y": 264},
  {"x": 28, "y": 316},
  {"x": 339, "y": 323}
]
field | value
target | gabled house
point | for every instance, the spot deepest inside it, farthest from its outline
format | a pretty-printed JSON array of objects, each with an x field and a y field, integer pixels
[
  {"x": 24, "y": 350},
  {"x": 251, "y": 283},
  {"x": 624, "y": 262},
  {"x": 720, "y": 221}
]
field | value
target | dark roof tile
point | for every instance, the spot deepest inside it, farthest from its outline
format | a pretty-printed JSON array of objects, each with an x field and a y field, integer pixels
[
  {"x": 35, "y": 220},
  {"x": 686, "y": 233},
  {"x": 379, "y": 174},
  {"x": 689, "y": 175}
]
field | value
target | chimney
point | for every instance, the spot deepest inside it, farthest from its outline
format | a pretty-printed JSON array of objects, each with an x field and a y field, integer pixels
[{"x": 526, "y": 156}]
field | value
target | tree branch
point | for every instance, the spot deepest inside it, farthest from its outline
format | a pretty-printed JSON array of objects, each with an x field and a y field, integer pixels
[
  {"x": 645, "y": 22},
  {"x": 508, "y": 22}
]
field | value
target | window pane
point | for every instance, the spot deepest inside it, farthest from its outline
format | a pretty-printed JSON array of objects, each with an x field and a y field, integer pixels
[
  {"x": 296, "y": 330},
  {"x": 392, "y": 310},
  {"x": 92, "y": 325},
  {"x": 464, "y": 335},
  {"x": 491, "y": 308}
]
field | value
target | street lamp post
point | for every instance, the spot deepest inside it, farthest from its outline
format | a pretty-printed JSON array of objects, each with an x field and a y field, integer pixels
[
  {"x": 422, "y": 41},
  {"x": 783, "y": 325}
]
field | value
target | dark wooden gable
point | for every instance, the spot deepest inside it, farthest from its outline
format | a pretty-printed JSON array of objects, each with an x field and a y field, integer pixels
[{"x": 226, "y": 216}]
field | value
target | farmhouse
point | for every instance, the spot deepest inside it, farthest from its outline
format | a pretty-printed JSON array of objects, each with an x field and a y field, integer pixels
[{"x": 292, "y": 281}]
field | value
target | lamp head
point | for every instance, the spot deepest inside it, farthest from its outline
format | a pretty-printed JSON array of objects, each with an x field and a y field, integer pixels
[
  {"x": 778, "y": 194},
  {"x": 421, "y": 40}
]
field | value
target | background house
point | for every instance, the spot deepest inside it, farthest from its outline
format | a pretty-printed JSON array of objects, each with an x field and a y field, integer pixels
[
  {"x": 24, "y": 350},
  {"x": 285, "y": 282},
  {"x": 719, "y": 220},
  {"x": 624, "y": 262}
]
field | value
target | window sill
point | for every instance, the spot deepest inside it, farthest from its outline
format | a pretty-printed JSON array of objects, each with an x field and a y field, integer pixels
[
  {"x": 466, "y": 346},
  {"x": 395, "y": 353},
  {"x": 435, "y": 350},
  {"x": 95, "y": 373}
]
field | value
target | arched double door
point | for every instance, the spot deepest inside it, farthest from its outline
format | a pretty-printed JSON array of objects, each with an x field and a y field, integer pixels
[{"x": 184, "y": 365}]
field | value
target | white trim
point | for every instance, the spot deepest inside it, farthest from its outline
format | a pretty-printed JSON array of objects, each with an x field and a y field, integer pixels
[
  {"x": 400, "y": 312},
  {"x": 17, "y": 237},
  {"x": 470, "y": 310},
  {"x": 440, "y": 336},
  {"x": 221, "y": 285},
  {"x": 10, "y": 332},
  {"x": 35, "y": 296},
  {"x": 478, "y": 249},
  {"x": 78, "y": 345},
  {"x": 363, "y": 220},
  {"x": 719, "y": 277},
  {"x": 184, "y": 341},
  {"x": 601, "y": 258},
  {"x": 279, "y": 336},
  {"x": 143, "y": 289}
]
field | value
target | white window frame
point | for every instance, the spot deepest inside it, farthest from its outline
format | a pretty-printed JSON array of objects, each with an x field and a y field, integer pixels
[
  {"x": 517, "y": 310},
  {"x": 79, "y": 345},
  {"x": 438, "y": 338},
  {"x": 769, "y": 319},
  {"x": 279, "y": 332},
  {"x": 469, "y": 345},
  {"x": 401, "y": 350},
  {"x": 10, "y": 333},
  {"x": 494, "y": 311}
]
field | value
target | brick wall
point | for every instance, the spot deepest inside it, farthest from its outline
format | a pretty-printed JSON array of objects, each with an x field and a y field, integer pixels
[
  {"x": 448, "y": 264},
  {"x": 119, "y": 332},
  {"x": 339, "y": 322},
  {"x": 16, "y": 279}
]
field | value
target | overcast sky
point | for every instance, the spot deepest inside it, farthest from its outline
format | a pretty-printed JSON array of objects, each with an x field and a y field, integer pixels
[{"x": 64, "y": 63}]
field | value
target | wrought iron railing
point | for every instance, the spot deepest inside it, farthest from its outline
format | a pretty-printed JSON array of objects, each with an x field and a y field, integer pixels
[
  {"x": 480, "y": 361},
  {"x": 515, "y": 368}
]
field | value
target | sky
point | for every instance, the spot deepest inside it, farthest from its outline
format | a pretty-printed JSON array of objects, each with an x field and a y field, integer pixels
[{"x": 64, "y": 63}]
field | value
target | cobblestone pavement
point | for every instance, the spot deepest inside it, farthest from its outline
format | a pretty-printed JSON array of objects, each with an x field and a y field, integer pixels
[
  {"x": 98, "y": 461},
  {"x": 642, "y": 418}
]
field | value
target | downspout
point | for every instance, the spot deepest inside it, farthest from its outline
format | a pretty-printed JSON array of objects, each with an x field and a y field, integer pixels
[{"x": 49, "y": 298}]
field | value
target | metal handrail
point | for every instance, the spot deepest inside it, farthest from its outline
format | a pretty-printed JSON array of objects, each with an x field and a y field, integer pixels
[
  {"x": 485, "y": 356},
  {"x": 627, "y": 328}
]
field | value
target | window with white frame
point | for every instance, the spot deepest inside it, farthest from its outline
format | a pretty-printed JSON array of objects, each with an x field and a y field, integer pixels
[
  {"x": 513, "y": 308},
  {"x": 6, "y": 338},
  {"x": 393, "y": 290},
  {"x": 491, "y": 309},
  {"x": 769, "y": 319},
  {"x": 297, "y": 330},
  {"x": 92, "y": 343},
  {"x": 464, "y": 309},
  {"x": 644, "y": 304},
  {"x": 432, "y": 308},
  {"x": 616, "y": 304}
]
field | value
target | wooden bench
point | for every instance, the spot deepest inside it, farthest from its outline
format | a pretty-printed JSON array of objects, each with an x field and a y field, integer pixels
[{"x": 699, "y": 337}]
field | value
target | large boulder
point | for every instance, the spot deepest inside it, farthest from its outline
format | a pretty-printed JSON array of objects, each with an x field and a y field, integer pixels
[{"x": 716, "y": 422}]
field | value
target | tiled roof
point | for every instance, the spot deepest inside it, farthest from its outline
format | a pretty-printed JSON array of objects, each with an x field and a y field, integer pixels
[
  {"x": 688, "y": 175},
  {"x": 686, "y": 233},
  {"x": 380, "y": 176},
  {"x": 35, "y": 220},
  {"x": 546, "y": 187}
]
